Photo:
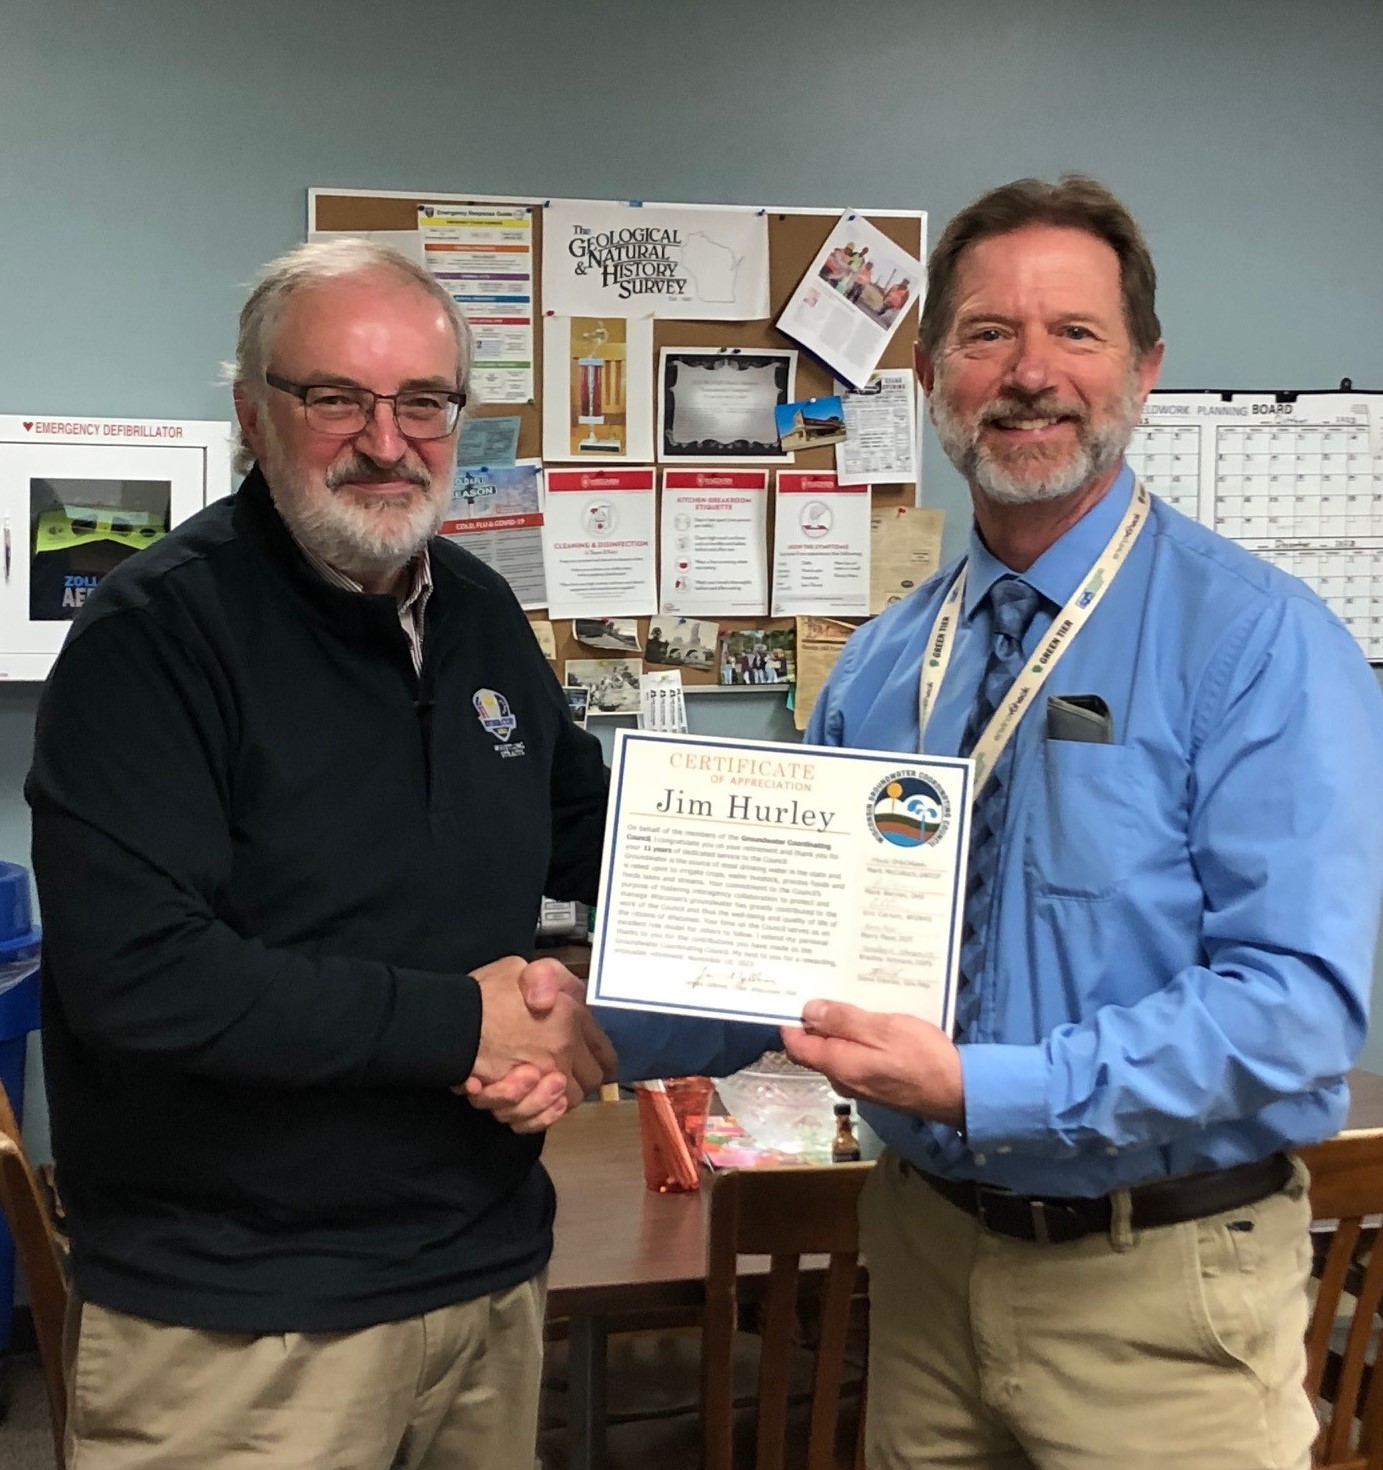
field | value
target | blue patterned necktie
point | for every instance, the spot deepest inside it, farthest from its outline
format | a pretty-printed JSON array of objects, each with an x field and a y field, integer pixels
[{"x": 1012, "y": 605}]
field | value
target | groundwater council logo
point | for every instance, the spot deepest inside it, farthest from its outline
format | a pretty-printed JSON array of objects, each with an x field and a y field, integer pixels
[{"x": 908, "y": 810}]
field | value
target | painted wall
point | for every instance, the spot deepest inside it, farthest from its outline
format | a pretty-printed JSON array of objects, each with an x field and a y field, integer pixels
[{"x": 154, "y": 154}]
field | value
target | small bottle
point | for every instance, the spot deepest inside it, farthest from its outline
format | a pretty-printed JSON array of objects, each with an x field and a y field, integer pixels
[{"x": 845, "y": 1147}]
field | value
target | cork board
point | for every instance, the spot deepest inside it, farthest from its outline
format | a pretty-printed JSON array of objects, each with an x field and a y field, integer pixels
[{"x": 794, "y": 237}]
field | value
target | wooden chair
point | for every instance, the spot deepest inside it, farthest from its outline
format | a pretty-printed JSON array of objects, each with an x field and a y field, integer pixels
[
  {"x": 39, "y": 1258},
  {"x": 785, "y": 1214},
  {"x": 1344, "y": 1383}
]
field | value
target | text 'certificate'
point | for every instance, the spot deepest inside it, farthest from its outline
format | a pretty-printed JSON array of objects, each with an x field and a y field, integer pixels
[{"x": 742, "y": 879}]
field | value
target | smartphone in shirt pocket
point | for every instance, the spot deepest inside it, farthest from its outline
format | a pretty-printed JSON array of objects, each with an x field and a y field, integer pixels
[{"x": 1079, "y": 717}]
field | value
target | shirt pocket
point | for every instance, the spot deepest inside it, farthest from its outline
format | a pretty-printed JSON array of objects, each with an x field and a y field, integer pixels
[{"x": 1084, "y": 831}]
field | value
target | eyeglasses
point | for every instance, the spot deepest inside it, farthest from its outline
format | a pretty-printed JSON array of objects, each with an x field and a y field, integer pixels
[{"x": 331, "y": 408}]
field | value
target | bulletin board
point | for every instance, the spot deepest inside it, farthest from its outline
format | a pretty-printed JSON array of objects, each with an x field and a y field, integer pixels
[{"x": 795, "y": 236}]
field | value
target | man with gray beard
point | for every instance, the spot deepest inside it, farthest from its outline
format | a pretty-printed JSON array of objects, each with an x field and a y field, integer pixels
[
  {"x": 301, "y": 778},
  {"x": 1087, "y": 1236}
]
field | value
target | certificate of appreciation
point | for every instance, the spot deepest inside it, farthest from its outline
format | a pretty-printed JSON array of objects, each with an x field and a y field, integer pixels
[{"x": 743, "y": 878}]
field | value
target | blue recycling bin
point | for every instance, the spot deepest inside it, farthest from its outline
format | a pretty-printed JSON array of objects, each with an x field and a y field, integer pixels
[{"x": 19, "y": 946}]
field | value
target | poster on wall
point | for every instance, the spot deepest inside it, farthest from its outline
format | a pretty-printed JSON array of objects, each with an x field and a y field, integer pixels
[
  {"x": 671, "y": 261},
  {"x": 821, "y": 546},
  {"x": 881, "y": 441},
  {"x": 719, "y": 403},
  {"x": 598, "y": 538},
  {"x": 494, "y": 513},
  {"x": 483, "y": 255},
  {"x": 598, "y": 389},
  {"x": 853, "y": 297},
  {"x": 715, "y": 542}
]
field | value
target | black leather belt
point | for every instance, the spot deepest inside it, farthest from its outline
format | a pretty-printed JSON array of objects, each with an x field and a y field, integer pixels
[{"x": 1055, "y": 1219}]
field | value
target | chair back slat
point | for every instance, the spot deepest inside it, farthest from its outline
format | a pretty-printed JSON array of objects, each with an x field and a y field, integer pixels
[
  {"x": 1340, "y": 1434},
  {"x": 41, "y": 1264},
  {"x": 778, "y": 1331},
  {"x": 1329, "y": 1289},
  {"x": 832, "y": 1330},
  {"x": 785, "y": 1214},
  {"x": 1345, "y": 1382}
]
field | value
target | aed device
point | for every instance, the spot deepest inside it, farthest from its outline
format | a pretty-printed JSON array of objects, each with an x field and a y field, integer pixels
[
  {"x": 79, "y": 496},
  {"x": 75, "y": 547}
]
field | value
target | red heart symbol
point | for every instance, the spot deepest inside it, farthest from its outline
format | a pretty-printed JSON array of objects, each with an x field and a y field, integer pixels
[{"x": 28, "y": 423}]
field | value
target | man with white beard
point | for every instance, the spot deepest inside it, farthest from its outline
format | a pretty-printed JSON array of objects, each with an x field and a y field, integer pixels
[
  {"x": 301, "y": 778},
  {"x": 1087, "y": 1236}
]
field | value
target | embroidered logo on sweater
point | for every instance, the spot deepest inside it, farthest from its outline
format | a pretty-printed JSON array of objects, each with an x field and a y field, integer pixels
[{"x": 494, "y": 713}]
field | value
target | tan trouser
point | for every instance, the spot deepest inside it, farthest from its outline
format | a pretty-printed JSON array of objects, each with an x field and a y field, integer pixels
[
  {"x": 1178, "y": 1346},
  {"x": 455, "y": 1389}
]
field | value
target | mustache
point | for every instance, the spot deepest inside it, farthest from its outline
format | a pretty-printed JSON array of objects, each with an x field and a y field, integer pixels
[
  {"x": 361, "y": 471},
  {"x": 1015, "y": 404}
]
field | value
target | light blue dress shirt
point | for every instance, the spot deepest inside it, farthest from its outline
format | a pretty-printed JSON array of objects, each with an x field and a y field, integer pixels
[{"x": 1184, "y": 920}]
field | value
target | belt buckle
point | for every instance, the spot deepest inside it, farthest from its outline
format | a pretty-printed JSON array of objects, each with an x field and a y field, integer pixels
[
  {"x": 1041, "y": 1215},
  {"x": 1002, "y": 1197}
]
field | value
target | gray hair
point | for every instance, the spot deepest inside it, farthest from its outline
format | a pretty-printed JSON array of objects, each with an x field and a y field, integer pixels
[{"x": 311, "y": 265}]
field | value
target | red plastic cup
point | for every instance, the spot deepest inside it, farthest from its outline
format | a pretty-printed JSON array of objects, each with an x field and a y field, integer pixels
[{"x": 672, "y": 1130}]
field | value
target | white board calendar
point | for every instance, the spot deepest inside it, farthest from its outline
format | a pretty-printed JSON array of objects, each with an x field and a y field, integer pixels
[{"x": 1295, "y": 478}]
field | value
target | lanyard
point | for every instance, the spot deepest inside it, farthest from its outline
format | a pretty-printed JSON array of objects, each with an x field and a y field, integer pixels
[{"x": 1067, "y": 623}]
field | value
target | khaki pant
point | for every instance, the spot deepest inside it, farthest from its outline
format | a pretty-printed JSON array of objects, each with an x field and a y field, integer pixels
[
  {"x": 455, "y": 1389},
  {"x": 1182, "y": 1345}
]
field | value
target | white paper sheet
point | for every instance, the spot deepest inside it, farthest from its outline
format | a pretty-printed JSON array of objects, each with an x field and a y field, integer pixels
[
  {"x": 602, "y": 259},
  {"x": 881, "y": 445},
  {"x": 820, "y": 546},
  {"x": 598, "y": 530},
  {"x": 719, "y": 403},
  {"x": 483, "y": 255},
  {"x": 715, "y": 542},
  {"x": 1299, "y": 482},
  {"x": 853, "y": 297},
  {"x": 495, "y": 514},
  {"x": 742, "y": 879},
  {"x": 598, "y": 389}
]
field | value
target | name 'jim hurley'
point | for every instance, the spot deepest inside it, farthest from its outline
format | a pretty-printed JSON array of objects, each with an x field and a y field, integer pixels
[{"x": 746, "y": 809}]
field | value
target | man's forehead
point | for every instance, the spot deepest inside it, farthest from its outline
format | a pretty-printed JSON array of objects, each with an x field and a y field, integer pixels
[
  {"x": 1039, "y": 256},
  {"x": 350, "y": 296},
  {"x": 363, "y": 311}
]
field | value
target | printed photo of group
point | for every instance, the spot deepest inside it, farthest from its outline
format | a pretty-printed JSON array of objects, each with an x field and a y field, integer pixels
[{"x": 757, "y": 656}]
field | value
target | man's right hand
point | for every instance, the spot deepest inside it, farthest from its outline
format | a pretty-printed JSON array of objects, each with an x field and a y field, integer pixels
[{"x": 541, "y": 1051}]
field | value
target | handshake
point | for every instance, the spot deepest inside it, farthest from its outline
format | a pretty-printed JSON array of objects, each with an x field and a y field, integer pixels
[{"x": 541, "y": 1050}]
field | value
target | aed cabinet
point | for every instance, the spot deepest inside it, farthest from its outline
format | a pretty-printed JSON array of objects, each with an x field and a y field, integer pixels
[{"x": 78, "y": 496}]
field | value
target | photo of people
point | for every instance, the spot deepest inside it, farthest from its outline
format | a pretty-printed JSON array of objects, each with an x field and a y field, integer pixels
[
  {"x": 869, "y": 279},
  {"x": 613, "y": 683},
  {"x": 681, "y": 641},
  {"x": 758, "y": 656}
]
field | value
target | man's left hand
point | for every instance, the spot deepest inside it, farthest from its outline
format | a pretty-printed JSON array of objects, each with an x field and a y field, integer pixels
[
  {"x": 901, "y": 1061},
  {"x": 526, "y": 1099}
]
